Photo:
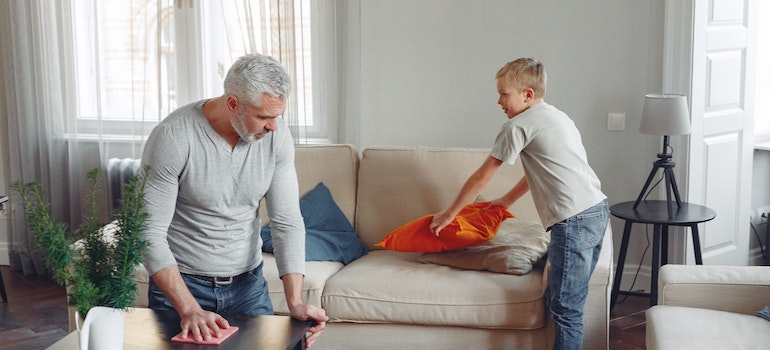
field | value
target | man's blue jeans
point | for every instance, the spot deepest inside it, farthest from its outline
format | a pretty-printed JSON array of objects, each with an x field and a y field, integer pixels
[
  {"x": 573, "y": 253},
  {"x": 246, "y": 295}
]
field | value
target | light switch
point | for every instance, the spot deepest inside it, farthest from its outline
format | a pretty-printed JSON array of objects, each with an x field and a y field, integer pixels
[{"x": 616, "y": 121}]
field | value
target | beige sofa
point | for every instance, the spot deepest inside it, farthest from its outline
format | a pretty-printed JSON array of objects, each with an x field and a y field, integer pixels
[
  {"x": 710, "y": 307},
  {"x": 390, "y": 300}
]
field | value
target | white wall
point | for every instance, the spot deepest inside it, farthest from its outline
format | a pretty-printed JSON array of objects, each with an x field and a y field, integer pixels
[
  {"x": 4, "y": 190},
  {"x": 426, "y": 76},
  {"x": 4, "y": 171}
]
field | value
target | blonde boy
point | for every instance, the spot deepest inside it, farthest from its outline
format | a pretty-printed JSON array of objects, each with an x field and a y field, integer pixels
[{"x": 566, "y": 191}]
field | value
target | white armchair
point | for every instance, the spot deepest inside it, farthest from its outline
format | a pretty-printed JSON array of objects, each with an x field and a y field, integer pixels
[{"x": 710, "y": 307}]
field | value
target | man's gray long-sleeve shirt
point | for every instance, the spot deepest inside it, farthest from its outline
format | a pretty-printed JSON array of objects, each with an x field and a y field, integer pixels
[{"x": 202, "y": 197}]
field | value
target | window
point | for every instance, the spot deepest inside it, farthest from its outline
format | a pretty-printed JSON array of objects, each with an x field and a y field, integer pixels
[{"x": 138, "y": 60}]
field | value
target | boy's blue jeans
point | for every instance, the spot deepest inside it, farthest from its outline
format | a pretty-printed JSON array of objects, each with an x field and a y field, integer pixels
[
  {"x": 246, "y": 295},
  {"x": 573, "y": 252}
]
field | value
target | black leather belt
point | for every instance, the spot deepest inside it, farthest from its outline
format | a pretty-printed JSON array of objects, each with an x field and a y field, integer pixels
[{"x": 221, "y": 281}]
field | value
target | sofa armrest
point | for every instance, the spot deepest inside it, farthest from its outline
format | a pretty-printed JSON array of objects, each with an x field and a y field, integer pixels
[{"x": 742, "y": 289}]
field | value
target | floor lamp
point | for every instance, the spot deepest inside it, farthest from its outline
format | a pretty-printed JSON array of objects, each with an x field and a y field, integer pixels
[{"x": 666, "y": 115}]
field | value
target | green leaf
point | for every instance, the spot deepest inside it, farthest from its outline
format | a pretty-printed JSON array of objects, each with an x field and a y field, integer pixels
[{"x": 98, "y": 269}]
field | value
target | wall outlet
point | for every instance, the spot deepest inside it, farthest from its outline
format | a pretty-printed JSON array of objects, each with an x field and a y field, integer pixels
[{"x": 760, "y": 216}]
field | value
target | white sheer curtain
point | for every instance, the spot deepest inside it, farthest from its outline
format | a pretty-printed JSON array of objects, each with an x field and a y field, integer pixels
[
  {"x": 71, "y": 102},
  {"x": 35, "y": 70},
  {"x": 281, "y": 29}
]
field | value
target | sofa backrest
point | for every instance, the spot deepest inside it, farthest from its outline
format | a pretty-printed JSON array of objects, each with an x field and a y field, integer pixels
[
  {"x": 399, "y": 184},
  {"x": 334, "y": 165}
]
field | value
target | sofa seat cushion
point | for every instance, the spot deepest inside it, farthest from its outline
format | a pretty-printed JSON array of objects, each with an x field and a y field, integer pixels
[
  {"x": 394, "y": 287},
  {"x": 678, "y": 327},
  {"x": 316, "y": 275}
]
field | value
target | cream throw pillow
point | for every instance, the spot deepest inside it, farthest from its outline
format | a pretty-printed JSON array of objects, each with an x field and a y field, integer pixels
[{"x": 518, "y": 245}]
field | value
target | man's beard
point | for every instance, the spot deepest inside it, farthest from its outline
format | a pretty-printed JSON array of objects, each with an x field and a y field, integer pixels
[{"x": 240, "y": 127}]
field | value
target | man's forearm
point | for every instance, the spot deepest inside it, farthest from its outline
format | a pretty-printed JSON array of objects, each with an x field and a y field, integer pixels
[
  {"x": 170, "y": 282},
  {"x": 292, "y": 286}
]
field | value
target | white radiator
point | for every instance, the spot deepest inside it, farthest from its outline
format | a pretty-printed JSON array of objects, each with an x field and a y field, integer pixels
[{"x": 119, "y": 172}]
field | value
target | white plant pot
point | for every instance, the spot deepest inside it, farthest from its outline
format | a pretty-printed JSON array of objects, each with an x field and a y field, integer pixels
[{"x": 102, "y": 329}]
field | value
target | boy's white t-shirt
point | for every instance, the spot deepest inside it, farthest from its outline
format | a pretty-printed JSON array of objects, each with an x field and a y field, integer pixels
[{"x": 555, "y": 163}]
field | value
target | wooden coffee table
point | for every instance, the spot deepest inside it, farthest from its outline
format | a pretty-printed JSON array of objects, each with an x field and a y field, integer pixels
[{"x": 148, "y": 329}]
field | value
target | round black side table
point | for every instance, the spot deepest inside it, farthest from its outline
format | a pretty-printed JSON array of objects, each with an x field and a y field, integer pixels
[{"x": 655, "y": 212}]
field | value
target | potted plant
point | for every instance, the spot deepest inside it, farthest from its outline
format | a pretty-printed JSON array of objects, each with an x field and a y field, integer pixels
[{"x": 95, "y": 262}]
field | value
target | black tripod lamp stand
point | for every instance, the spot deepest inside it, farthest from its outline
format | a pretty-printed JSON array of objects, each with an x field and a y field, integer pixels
[{"x": 664, "y": 114}]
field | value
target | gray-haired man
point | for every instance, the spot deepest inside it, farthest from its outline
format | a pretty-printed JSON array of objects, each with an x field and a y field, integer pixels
[{"x": 211, "y": 162}]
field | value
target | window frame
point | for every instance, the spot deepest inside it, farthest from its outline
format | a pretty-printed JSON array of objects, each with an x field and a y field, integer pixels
[{"x": 199, "y": 76}]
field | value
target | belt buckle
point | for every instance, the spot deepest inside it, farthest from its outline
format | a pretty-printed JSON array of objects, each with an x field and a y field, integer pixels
[{"x": 223, "y": 281}]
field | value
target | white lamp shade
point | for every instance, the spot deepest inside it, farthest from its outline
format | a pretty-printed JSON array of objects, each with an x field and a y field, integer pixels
[{"x": 665, "y": 114}]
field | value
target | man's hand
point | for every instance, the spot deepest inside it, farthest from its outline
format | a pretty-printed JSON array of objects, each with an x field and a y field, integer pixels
[
  {"x": 202, "y": 325},
  {"x": 292, "y": 284},
  {"x": 311, "y": 312}
]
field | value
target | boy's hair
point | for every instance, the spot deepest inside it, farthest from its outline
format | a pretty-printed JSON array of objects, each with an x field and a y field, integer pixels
[{"x": 525, "y": 73}]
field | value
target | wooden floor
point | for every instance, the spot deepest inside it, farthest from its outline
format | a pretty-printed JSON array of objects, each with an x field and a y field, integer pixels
[
  {"x": 627, "y": 323},
  {"x": 36, "y": 315}
]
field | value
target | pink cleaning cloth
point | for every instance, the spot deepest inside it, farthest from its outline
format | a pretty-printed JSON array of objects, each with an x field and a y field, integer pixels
[{"x": 225, "y": 333}]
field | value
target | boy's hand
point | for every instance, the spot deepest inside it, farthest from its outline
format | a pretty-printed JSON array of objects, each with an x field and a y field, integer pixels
[
  {"x": 440, "y": 221},
  {"x": 498, "y": 202}
]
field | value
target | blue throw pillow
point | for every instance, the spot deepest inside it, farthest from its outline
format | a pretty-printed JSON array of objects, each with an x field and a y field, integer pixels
[
  {"x": 330, "y": 236},
  {"x": 764, "y": 313}
]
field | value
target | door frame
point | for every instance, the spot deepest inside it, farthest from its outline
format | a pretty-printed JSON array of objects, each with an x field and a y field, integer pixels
[{"x": 679, "y": 48}]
